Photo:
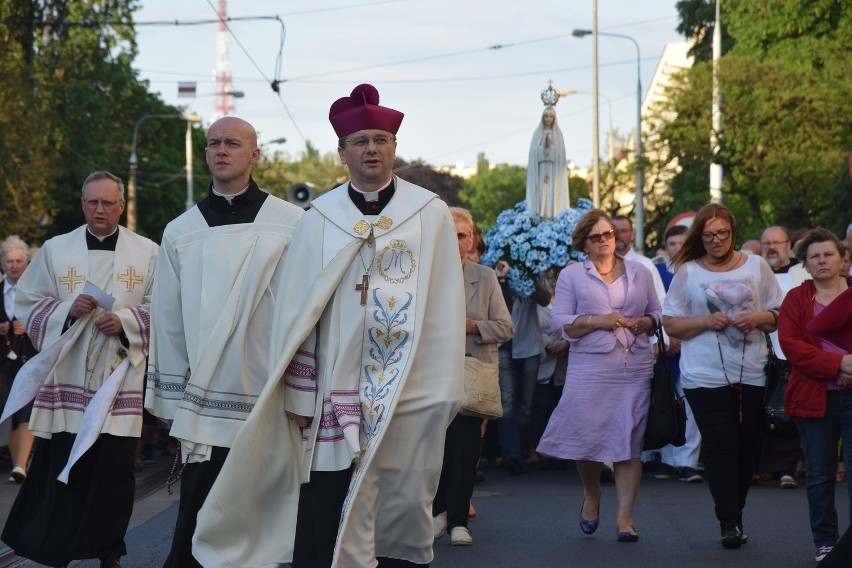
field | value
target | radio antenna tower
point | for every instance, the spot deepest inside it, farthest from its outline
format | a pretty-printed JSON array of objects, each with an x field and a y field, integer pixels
[{"x": 224, "y": 101}]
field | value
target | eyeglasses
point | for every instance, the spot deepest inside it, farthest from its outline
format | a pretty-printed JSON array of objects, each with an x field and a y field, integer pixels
[
  {"x": 463, "y": 235},
  {"x": 107, "y": 205},
  {"x": 599, "y": 237},
  {"x": 380, "y": 141},
  {"x": 774, "y": 243},
  {"x": 721, "y": 235}
]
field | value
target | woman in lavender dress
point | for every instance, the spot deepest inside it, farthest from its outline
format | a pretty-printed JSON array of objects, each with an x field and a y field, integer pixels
[{"x": 606, "y": 307}]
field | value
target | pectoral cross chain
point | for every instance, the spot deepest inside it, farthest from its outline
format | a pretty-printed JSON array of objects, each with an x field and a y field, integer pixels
[{"x": 363, "y": 287}]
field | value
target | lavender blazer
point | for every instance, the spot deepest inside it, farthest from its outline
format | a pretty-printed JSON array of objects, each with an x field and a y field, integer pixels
[{"x": 580, "y": 291}]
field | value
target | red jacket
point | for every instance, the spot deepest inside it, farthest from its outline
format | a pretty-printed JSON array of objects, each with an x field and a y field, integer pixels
[{"x": 811, "y": 365}]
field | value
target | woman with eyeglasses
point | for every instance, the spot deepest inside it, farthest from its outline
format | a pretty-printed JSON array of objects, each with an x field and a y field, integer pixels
[
  {"x": 719, "y": 304},
  {"x": 606, "y": 307},
  {"x": 487, "y": 323}
]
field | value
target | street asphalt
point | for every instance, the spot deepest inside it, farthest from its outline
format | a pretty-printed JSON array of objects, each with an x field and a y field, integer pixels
[{"x": 530, "y": 520}]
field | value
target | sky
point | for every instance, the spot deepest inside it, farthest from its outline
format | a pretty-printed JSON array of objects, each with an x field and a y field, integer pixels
[{"x": 467, "y": 73}]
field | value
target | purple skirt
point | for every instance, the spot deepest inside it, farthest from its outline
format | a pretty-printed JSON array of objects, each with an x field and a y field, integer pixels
[{"x": 604, "y": 406}]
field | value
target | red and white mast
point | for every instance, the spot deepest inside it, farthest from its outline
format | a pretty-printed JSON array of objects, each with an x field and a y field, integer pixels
[{"x": 224, "y": 101}]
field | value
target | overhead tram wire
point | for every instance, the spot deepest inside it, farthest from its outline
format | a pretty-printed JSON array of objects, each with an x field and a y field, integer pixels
[
  {"x": 202, "y": 22},
  {"x": 480, "y": 77},
  {"x": 429, "y": 80},
  {"x": 495, "y": 47},
  {"x": 99, "y": 23},
  {"x": 480, "y": 143},
  {"x": 304, "y": 78},
  {"x": 274, "y": 83}
]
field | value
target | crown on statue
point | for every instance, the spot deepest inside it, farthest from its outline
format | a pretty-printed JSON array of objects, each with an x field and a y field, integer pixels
[{"x": 549, "y": 96}]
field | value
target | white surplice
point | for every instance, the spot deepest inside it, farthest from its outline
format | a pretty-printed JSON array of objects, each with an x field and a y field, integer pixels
[
  {"x": 47, "y": 290},
  {"x": 211, "y": 314},
  {"x": 382, "y": 380}
]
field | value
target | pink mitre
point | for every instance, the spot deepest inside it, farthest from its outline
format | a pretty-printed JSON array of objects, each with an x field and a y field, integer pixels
[{"x": 361, "y": 111}]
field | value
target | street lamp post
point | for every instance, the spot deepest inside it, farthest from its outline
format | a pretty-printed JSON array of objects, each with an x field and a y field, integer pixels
[
  {"x": 639, "y": 222},
  {"x": 134, "y": 162},
  {"x": 188, "y": 143}
]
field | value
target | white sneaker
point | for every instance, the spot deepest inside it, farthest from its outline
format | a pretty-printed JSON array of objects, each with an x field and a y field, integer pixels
[
  {"x": 822, "y": 552},
  {"x": 439, "y": 525},
  {"x": 19, "y": 474},
  {"x": 460, "y": 536}
]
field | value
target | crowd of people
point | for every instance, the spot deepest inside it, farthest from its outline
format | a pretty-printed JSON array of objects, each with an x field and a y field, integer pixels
[{"x": 320, "y": 354}]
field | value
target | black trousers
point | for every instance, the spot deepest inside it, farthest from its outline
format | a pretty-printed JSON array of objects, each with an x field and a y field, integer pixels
[
  {"x": 545, "y": 400},
  {"x": 458, "y": 474},
  {"x": 320, "y": 507},
  {"x": 196, "y": 480},
  {"x": 730, "y": 446},
  {"x": 53, "y": 523}
]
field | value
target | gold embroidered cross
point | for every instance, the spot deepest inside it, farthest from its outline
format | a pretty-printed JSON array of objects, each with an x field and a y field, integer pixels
[
  {"x": 130, "y": 279},
  {"x": 363, "y": 287},
  {"x": 71, "y": 280}
]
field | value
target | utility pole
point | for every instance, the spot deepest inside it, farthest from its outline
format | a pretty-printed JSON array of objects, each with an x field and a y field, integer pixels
[{"x": 716, "y": 170}]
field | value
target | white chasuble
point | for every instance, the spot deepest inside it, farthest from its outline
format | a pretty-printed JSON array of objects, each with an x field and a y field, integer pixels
[
  {"x": 382, "y": 381},
  {"x": 88, "y": 357}
]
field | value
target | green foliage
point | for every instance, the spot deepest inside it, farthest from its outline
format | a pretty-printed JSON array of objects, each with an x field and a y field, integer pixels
[
  {"x": 446, "y": 185},
  {"x": 24, "y": 166},
  {"x": 579, "y": 188},
  {"x": 492, "y": 189},
  {"x": 785, "y": 86},
  {"x": 75, "y": 99},
  {"x": 697, "y": 20},
  {"x": 278, "y": 171}
]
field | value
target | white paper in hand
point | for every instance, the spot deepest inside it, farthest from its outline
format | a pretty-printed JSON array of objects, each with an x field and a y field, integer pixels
[{"x": 103, "y": 299}]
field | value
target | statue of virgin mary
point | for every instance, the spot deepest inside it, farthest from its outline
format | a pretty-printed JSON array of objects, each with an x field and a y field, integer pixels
[{"x": 547, "y": 173}]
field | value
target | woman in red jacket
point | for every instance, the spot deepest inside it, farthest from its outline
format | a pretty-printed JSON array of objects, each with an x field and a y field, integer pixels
[{"x": 819, "y": 394}]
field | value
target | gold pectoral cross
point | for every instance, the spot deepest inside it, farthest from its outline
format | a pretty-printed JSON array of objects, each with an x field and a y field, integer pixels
[{"x": 363, "y": 287}]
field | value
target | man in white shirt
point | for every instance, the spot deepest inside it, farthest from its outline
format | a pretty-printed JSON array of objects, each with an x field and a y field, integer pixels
[{"x": 624, "y": 238}]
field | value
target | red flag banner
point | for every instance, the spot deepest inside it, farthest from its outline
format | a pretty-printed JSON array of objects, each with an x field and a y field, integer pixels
[{"x": 186, "y": 88}]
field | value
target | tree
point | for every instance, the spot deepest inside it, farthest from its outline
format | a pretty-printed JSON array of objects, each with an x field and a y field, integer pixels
[
  {"x": 446, "y": 185},
  {"x": 279, "y": 171},
  {"x": 24, "y": 167},
  {"x": 697, "y": 22},
  {"x": 786, "y": 127},
  {"x": 492, "y": 189},
  {"x": 77, "y": 99}
]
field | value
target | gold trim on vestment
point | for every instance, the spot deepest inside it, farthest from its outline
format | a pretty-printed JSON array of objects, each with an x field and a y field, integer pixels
[
  {"x": 130, "y": 278},
  {"x": 361, "y": 227},
  {"x": 397, "y": 249},
  {"x": 384, "y": 223},
  {"x": 71, "y": 280}
]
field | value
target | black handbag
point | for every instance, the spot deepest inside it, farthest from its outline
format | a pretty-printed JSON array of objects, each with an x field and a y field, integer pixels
[
  {"x": 778, "y": 424},
  {"x": 666, "y": 423}
]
